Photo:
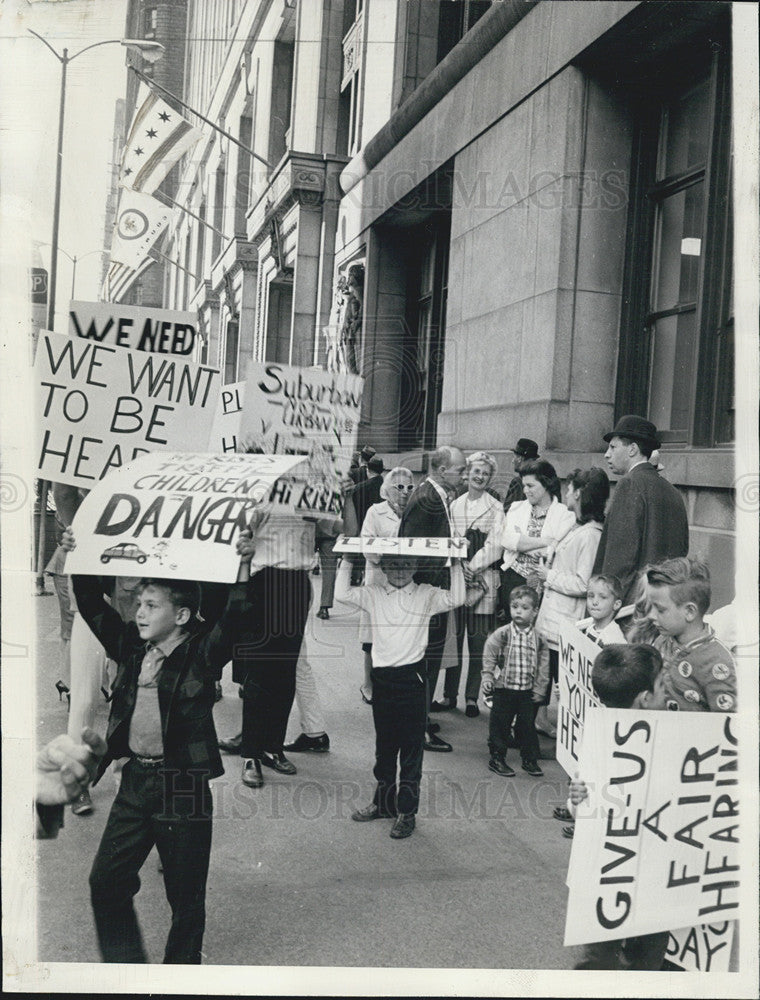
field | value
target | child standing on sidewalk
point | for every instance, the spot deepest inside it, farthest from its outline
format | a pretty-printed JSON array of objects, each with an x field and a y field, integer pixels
[
  {"x": 516, "y": 674},
  {"x": 399, "y": 611}
]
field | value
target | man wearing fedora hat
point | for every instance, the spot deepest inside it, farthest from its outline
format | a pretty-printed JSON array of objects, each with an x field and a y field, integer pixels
[
  {"x": 524, "y": 450},
  {"x": 646, "y": 521}
]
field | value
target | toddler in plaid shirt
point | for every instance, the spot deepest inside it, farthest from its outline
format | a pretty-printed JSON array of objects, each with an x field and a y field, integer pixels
[{"x": 516, "y": 674}]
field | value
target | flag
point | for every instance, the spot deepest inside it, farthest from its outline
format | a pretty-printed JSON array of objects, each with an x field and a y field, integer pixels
[
  {"x": 157, "y": 138},
  {"x": 119, "y": 279},
  {"x": 140, "y": 220}
]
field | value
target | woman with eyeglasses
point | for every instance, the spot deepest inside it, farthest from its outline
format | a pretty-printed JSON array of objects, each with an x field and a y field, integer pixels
[
  {"x": 381, "y": 521},
  {"x": 473, "y": 515}
]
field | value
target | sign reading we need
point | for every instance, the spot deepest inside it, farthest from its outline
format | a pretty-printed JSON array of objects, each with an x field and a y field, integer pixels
[
  {"x": 576, "y": 693},
  {"x": 173, "y": 515},
  {"x": 99, "y": 406},
  {"x": 161, "y": 331},
  {"x": 656, "y": 843}
]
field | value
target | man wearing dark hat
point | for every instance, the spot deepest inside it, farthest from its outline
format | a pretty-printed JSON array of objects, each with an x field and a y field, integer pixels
[
  {"x": 646, "y": 521},
  {"x": 359, "y": 475},
  {"x": 524, "y": 450}
]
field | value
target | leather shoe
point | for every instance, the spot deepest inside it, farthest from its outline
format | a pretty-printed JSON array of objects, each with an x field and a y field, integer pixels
[
  {"x": 532, "y": 768},
  {"x": 82, "y": 805},
  {"x": 252, "y": 775},
  {"x": 568, "y": 831},
  {"x": 316, "y": 744},
  {"x": 278, "y": 762},
  {"x": 433, "y": 742},
  {"x": 403, "y": 827},
  {"x": 499, "y": 766},
  {"x": 434, "y": 727},
  {"x": 443, "y": 706},
  {"x": 472, "y": 711},
  {"x": 323, "y": 613},
  {"x": 370, "y": 812},
  {"x": 232, "y": 745}
]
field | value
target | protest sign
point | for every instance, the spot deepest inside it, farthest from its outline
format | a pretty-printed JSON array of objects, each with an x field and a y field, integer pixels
[
  {"x": 443, "y": 547},
  {"x": 656, "y": 843},
  {"x": 173, "y": 515},
  {"x": 305, "y": 411},
  {"x": 100, "y": 406},
  {"x": 161, "y": 331},
  {"x": 575, "y": 692},
  {"x": 702, "y": 949},
  {"x": 225, "y": 432}
]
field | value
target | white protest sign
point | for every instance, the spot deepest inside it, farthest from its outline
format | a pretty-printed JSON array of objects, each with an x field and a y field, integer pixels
[
  {"x": 656, "y": 843},
  {"x": 100, "y": 406},
  {"x": 162, "y": 331},
  {"x": 173, "y": 515},
  {"x": 702, "y": 949},
  {"x": 305, "y": 411},
  {"x": 443, "y": 547},
  {"x": 225, "y": 432},
  {"x": 576, "y": 693}
]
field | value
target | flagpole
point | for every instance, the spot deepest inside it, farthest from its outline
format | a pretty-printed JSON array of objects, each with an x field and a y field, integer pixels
[
  {"x": 164, "y": 257},
  {"x": 182, "y": 208},
  {"x": 152, "y": 84}
]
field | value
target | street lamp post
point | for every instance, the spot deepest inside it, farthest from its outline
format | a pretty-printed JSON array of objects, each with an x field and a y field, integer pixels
[{"x": 152, "y": 51}]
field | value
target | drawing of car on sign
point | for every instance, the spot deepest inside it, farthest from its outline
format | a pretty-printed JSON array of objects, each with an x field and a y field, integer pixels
[{"x": 124, "y": 550}]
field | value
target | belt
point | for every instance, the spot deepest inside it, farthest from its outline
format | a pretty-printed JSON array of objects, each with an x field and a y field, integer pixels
[{"x": 147, "y": 761}]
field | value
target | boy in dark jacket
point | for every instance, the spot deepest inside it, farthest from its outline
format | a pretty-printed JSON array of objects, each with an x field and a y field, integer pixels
[{"x": 161, "y": 719}]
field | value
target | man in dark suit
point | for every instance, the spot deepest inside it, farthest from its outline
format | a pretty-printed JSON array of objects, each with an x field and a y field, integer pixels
[
  {"x": 427, "y": 516},
  {"x": 365, "y": 494},
  {"x": 646, "y": 521},
  {"x": 524, "y": 450},
  {"x": 360, "y": 472}
]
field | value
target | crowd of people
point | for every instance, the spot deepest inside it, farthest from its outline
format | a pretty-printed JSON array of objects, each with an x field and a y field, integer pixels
[{"x": 535, "y": 561}]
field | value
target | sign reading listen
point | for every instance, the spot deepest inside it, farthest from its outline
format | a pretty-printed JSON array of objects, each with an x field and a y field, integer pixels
[{"x": 99, "y": 407}]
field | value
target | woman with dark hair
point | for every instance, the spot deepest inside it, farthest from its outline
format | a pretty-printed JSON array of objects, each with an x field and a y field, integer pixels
[
  {"x": 566, "y": 571},
  {"x": 530, "y": 528}
]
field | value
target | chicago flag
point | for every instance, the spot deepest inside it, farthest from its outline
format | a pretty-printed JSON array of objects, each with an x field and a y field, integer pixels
[{"x": 157, "y": 138}]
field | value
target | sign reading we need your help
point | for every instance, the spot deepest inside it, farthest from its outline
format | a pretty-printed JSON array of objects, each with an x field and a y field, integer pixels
[
  {"x": 656, "y": 843},
  {"x": 576, "y": 693},
  {"x": 173, "y": 515},
  {"x": 161, "y": 331},
  {"x": 99, "y": 406}
]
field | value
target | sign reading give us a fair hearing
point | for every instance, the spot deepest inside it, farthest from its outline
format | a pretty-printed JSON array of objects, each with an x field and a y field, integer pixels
[
  {"x": 161, "y": 331},
  {"x": 100, "y": 406}
]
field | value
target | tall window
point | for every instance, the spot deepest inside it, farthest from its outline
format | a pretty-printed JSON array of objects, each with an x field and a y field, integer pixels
[
  {"x": 349, "y": 108},
  {"x": 200, "y": 241},
  {"x": 243, "y": 177},
  {"x": 455, "y": 18},
  {"x": 282, "y": 99},
  {"x": 219, "y": 186},
  {"x": 676, "y": 356},
  {"x": 231, "y": 351}
]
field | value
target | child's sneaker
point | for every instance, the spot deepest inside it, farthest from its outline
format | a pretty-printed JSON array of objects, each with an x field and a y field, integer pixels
[
  {"x": 499, "y": 766},
  {"x": 532, "y": 768}
]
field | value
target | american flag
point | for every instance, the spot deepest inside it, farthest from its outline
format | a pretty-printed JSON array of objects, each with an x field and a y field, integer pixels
[
  {"x": 157, "y": 138},
  {"x": 119, "y": 279}
]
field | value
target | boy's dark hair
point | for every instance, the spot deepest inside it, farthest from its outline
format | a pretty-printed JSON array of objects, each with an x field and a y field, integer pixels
[
  {"x": 522, "y": 591},
  {"x": 182, "y": 594},
  {"x": 620, "y": 672},
  {"x": 544, "y": 472},
  {"x": 688, "y": 580},
  {"x": 610, "y": 581}
]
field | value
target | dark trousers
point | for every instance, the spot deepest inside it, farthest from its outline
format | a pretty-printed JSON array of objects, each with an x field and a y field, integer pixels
[
  {"x": 645, "y": 953},
  {"x": 399, "y": 708},
  {"x": 267, "y": 655},
  {"x": 506, "y": 705},
  {"x": 478, "y": 628},
  {"x": 328, "y": 562},
  {"x": 434, "y": 652},
  {"x": 173, "y": 812}
]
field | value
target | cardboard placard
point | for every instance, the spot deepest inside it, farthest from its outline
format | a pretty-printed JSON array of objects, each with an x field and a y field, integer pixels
[
  {"x": 161, "y": 331},
  {"x": 702, "y": 949},
  {"x": 656, "y": 843},
  {"x": 225, "y": 431},
  {"x": 173, "y": 515},
  {"x": 100, "y": 406},
  {"x": 444, "y": 548},
  {"x": 575, "y": 694}
]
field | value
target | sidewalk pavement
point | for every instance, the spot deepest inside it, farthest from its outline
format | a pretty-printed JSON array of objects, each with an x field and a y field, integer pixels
[{"x": 293, "y": 881}]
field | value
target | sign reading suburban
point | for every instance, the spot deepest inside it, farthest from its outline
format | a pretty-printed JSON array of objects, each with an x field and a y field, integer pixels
[
  {"x": 656, "y": 843},
  {"x": 161, "y": 331},
  {"x": 173, "y": 515},
  {"x": 100, "y": 406}
]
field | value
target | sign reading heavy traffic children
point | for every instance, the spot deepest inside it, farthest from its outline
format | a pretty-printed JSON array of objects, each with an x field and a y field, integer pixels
[
  {"x": 656, "y": 843},
  {"x": 173, "y": 515},
  {"x": 100, "y": 406},
  {"x": 160, "y": 331},
  {"x": 575, "y": 692},
  {"x": 304, "y": 411}
]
